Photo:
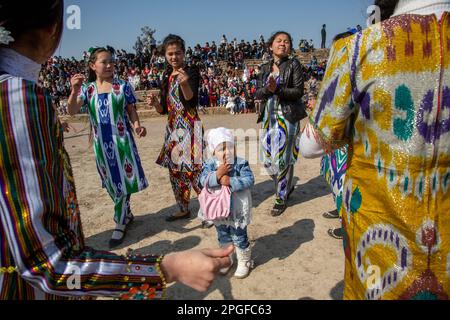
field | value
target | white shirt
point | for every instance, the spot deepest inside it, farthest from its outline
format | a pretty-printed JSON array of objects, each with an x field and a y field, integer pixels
[
  {"x": 17, "y": 65},
  {"x": 422, "y": 7}
]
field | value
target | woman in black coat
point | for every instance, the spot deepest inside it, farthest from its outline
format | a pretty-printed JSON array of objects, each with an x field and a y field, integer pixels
[{"x": 281, "y": 88}]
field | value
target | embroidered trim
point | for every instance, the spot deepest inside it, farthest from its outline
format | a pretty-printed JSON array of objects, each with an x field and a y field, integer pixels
[
  {"x": 145, "y": 291},
  {"x": 8, "y": 269}
]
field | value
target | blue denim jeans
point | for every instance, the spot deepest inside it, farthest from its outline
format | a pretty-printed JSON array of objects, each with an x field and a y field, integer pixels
[{"x": 238, "y": 237}]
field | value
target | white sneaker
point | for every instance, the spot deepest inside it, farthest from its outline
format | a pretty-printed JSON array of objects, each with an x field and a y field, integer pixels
[{"x": 245, "y": 263}]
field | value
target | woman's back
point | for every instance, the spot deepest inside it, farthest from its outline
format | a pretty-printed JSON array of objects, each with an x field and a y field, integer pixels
[
  {"x": 392, "y": 84},
  {"x": 387, "y": 93}
]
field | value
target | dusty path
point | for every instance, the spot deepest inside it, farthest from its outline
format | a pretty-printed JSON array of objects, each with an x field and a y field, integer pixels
[{"x": 295, "y": 257}]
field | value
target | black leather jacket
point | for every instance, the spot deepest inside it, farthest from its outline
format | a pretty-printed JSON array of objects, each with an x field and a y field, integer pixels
[
  {"x": 194, "y": 82},
  {"x": 290, "y": 91}
]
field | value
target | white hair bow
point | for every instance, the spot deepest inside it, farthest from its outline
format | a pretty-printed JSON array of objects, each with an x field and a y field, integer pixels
[{"x": 5, "y": 36}]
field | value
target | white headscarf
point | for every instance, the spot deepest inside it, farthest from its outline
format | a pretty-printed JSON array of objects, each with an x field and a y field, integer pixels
[
  {"x": 423, "y": 7},
  {"x": 218, "y": 136}
]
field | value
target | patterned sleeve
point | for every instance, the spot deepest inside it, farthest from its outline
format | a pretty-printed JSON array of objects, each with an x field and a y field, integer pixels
[
  {"x": 244, "y": 180},
  {"x": 48, "y": 253},
  {"x": 334, "y": 107},
  {"x": 82, "y": 95},
  {"x": 130, "y": 95},
  {"x": 209, "y": 170}
]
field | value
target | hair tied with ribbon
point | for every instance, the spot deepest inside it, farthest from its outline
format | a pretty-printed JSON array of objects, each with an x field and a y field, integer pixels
[{"x": 92, "y": 50}]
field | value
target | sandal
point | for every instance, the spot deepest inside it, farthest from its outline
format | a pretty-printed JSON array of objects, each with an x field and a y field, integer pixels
[
  {"x": 174, "y": 218},
  {"x": 113, "y": 243},
  {"x": 331, "y": 215},
  {"x": 278, "y": 210},
  {"x": 336, "y": 233}
]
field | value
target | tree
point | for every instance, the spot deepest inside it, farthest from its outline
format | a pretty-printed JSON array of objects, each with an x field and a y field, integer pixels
[
  {"x": 138, "y": 45},
  {"x": 146, "y": 40}
]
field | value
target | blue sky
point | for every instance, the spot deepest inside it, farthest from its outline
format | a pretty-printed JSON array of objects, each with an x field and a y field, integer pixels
[{"x": 118, "y": 23}]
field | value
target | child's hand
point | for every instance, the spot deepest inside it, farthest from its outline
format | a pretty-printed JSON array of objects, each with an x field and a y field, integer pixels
[
  {"x": 152, "y": 100},
  {"x": 141, "y": 132},
  {"x": 76, "y": 82},
  {"x": 182, "y": 77},
  {"x": 225, "y": 181},
  {"x": 223, "y": 170},
  {"x": 272, "y": 85}
]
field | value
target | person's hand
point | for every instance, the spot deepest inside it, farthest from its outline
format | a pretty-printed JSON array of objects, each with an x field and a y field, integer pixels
[
  {"x": 223, "y": 170},
  {"x": 152, "y": 100},
  {"x": 272, "y": 86},
  {"x": 141, "y": 132},
  {"x": 225, "y": 181},
  {"x": 182, "y": 77},
  {"x": 196, "y": 269},
  {"x": 76, "y": 82}
]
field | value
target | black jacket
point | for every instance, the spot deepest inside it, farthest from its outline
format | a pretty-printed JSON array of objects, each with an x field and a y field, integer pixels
[
  {"x": 290, "y": 91},
  {"x": 194, "y": 82}
]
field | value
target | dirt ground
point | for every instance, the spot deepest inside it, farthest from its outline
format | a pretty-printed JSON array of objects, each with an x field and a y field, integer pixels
[{"x": 295, "y": 258}]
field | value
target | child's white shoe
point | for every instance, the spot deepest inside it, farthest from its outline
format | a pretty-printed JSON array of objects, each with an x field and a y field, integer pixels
[
  {"x": 225, "y": 271},
  {"x": 245, "y": 263}
]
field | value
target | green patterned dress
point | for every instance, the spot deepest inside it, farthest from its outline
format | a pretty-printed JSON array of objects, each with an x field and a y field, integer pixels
[{"x": 116, "y": 154}]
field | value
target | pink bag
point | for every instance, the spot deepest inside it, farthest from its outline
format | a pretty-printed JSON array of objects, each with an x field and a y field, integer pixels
[{"x": 215, "y": 206}]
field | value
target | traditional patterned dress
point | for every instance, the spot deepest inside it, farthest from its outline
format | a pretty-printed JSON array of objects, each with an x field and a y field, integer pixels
[
  {"x": 279, "y": 147},
  {"x": 333, "y": 168},
  {"x": 116, "y": 154},
  {"x": 390, "y": 84},
  {"x": 182, "y": 152},
  {"x": 42, "y": 250}
]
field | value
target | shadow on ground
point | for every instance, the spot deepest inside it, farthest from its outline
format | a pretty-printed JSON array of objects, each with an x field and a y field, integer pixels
[
  {"x": 277, "y": 246},
  {"x": 313, "y": 189},
  {"x": 147, "y": 226},
  {"x": 284, "y": 243},
  {"x": 337, "y": 293}
]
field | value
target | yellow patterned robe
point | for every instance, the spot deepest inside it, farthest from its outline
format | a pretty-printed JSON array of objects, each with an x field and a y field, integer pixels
[{"x": 386, "y": 92}]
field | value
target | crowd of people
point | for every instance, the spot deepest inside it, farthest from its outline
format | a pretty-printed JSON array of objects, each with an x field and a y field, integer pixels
[
  {"x": 226, "y": 80},
  {"x": 230, "y": 88},
  {"x": 389, "y": 172},
  {"x": 306, "y": 46},
  {"x": 232, "y": 52}
]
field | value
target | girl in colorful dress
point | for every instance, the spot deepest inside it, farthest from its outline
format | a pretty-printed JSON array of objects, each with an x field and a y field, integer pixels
[
  {"x": 225, "y": 169},
  {"x": 42, "y": 247},
  {"x": 182, "y": 152},
  {"x": 280, "y": 88},
  {"x": 112, "y": 109}
]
